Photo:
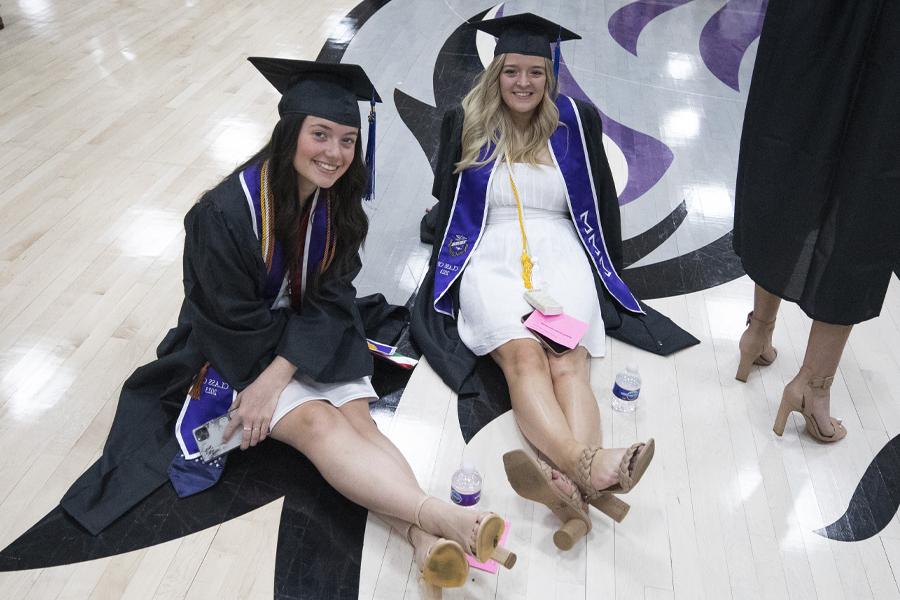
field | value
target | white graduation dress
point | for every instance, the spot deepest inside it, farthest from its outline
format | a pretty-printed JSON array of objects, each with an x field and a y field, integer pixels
[
  {"x": 305, "y": 389},
  {"x": 491, "y": 293}
]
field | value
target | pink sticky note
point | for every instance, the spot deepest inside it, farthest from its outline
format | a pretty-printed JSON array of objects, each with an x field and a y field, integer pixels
[
  {"x": 491, "y": 566},
  {"x": 563, "y": 329}
]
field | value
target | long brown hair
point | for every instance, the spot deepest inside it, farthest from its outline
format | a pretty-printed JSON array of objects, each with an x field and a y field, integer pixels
[{"x": 350, "y": 221}]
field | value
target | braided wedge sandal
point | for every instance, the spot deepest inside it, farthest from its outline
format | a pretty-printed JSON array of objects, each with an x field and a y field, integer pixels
[
  {"x": 531, "y": 479},
  {"x": 484, "y": 541},
  {"x": 631, "y": 468}
]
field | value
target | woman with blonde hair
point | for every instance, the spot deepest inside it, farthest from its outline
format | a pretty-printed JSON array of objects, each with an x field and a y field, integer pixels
[{"x": 524, "y": 218}]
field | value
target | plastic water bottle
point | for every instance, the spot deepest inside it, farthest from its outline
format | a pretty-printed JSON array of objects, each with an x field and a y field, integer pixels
[
  {"x": 626, "y": 389},
  {"x": 465, "y": 486}
]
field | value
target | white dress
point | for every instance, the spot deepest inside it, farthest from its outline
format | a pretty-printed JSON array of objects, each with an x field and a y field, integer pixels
[
  {"x": 491, "y": 289},
  {"x": 305, "y": 389}
]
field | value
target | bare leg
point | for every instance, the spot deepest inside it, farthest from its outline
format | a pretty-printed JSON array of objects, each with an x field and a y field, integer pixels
[
  {"x": 367, "y": 474},
  {"x": 765, "y": 305},
  {"x": 571, "y": 376},
  {"x": 354, "y": 466},
  {"x": 357, "y": 413},
  {"x": 437, "y": 516},
  {"x": 539, "y": 414},
  {"x": 756, "y": 341},
  {"x": 823, "y": 353}
]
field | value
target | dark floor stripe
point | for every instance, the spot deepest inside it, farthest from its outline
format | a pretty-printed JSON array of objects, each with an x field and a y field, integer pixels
[{"x": 875, "y": 501}]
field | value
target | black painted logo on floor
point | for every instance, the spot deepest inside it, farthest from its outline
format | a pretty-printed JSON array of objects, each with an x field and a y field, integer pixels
[{"x": 875, "y": 500}]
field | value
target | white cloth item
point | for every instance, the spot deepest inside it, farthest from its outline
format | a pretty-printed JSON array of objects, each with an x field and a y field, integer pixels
[
  {"x": 305, "y": 389},
  {"x": 491, "y": 293}
]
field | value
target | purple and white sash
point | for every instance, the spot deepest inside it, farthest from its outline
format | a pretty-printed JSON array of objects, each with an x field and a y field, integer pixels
[
  {"x": 469, "y": 211},
  {"x": 215, "y": 394}
]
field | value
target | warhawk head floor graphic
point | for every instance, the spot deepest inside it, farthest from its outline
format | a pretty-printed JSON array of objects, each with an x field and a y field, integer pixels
[{"x": 458, "y": 64}]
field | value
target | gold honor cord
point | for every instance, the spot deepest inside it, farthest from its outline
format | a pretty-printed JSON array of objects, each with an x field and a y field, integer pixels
[
  {"x": 527, "y": 263},
  {"x": 265, "y": 211}
]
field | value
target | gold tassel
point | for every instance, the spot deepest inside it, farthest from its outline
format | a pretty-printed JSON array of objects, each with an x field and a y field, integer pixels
[{"x": 527, "y": 266}]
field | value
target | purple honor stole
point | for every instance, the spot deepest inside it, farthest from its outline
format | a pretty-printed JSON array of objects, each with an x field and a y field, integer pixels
[
  {"x": 463, "y": 231},
  {"x": 573, "y": 162},
  {"x": 211, "y": 396},
  {"x": 470, "y": 210}
]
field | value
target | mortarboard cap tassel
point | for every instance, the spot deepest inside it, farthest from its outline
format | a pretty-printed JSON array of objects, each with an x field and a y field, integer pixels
[{"x": 370, "y": 152}]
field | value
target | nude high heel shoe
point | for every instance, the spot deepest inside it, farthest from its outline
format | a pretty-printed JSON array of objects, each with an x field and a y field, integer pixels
[
  {"x": 756, "y": 350},
  {"x": 442, "y": 565},
  {"x": 798, "y": 396},
  {"x": 484, "y": 541},
  {"x": 532, "y": 480}
]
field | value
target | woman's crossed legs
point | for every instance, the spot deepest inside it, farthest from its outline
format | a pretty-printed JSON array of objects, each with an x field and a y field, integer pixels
[{"x": 555, "y": 408}]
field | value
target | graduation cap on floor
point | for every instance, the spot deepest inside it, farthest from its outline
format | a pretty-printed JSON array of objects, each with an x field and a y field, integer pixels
[
  {"x": 327, "y": 90},
  {"x": 527, "y": 34}
]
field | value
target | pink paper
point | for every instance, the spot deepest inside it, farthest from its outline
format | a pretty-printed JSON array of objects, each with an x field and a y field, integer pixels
[
  {"x": 563, "y": 329},
  {"x": 490, "y": 566}
]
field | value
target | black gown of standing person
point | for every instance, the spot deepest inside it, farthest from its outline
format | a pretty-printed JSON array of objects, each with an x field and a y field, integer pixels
[
  {"x": 225, "y": 320},
  {"x": 817, "y": 199},
  {"x": 436, "y": 334}
]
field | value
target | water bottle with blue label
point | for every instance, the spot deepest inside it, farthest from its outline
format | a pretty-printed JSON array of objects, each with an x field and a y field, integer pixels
[
  {"x": 465, "y": 486},
  {"x": 626, "y": 390}
]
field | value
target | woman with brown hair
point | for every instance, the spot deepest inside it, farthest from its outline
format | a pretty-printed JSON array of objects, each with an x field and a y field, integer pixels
[{"x": 270, "y": 334}]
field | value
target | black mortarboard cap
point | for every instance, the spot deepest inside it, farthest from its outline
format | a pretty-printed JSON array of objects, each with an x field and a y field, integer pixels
[
  {"x": 326, "y": 90},
  {"x": 525, "y": 33}
]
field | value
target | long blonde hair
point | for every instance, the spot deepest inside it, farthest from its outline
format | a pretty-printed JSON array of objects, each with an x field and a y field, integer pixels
[{"x": 487, "y": 119}]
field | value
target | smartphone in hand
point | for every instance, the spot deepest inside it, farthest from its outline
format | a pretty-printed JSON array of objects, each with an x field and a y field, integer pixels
[{"x": 210, "y": 440}]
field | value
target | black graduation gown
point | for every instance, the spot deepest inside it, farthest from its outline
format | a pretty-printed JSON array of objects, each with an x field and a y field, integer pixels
[
  {"x": 436, "y": 334},
  {"x": 226, "y": 321},
  {"x": 817, "y": 199}
]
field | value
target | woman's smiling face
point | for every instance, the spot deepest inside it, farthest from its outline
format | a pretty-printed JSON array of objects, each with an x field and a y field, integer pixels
[
  {"x": 522, "y": 82},
  {"x": 324, "y": 151}
]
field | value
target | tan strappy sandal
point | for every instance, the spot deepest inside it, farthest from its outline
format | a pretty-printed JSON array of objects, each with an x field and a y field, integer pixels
[
  {"x": 484, "y": 543},
  {"x": 443, "y": 565},
  {"x": 631, "y": 468},
  {"x": 798, "y": 397},
  {"x": 531, "y": 479},
  {"x": 759, "y": 352}
]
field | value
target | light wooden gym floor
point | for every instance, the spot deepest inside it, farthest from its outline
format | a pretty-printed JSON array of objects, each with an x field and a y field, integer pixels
[{"x": 114, "y": 117}]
